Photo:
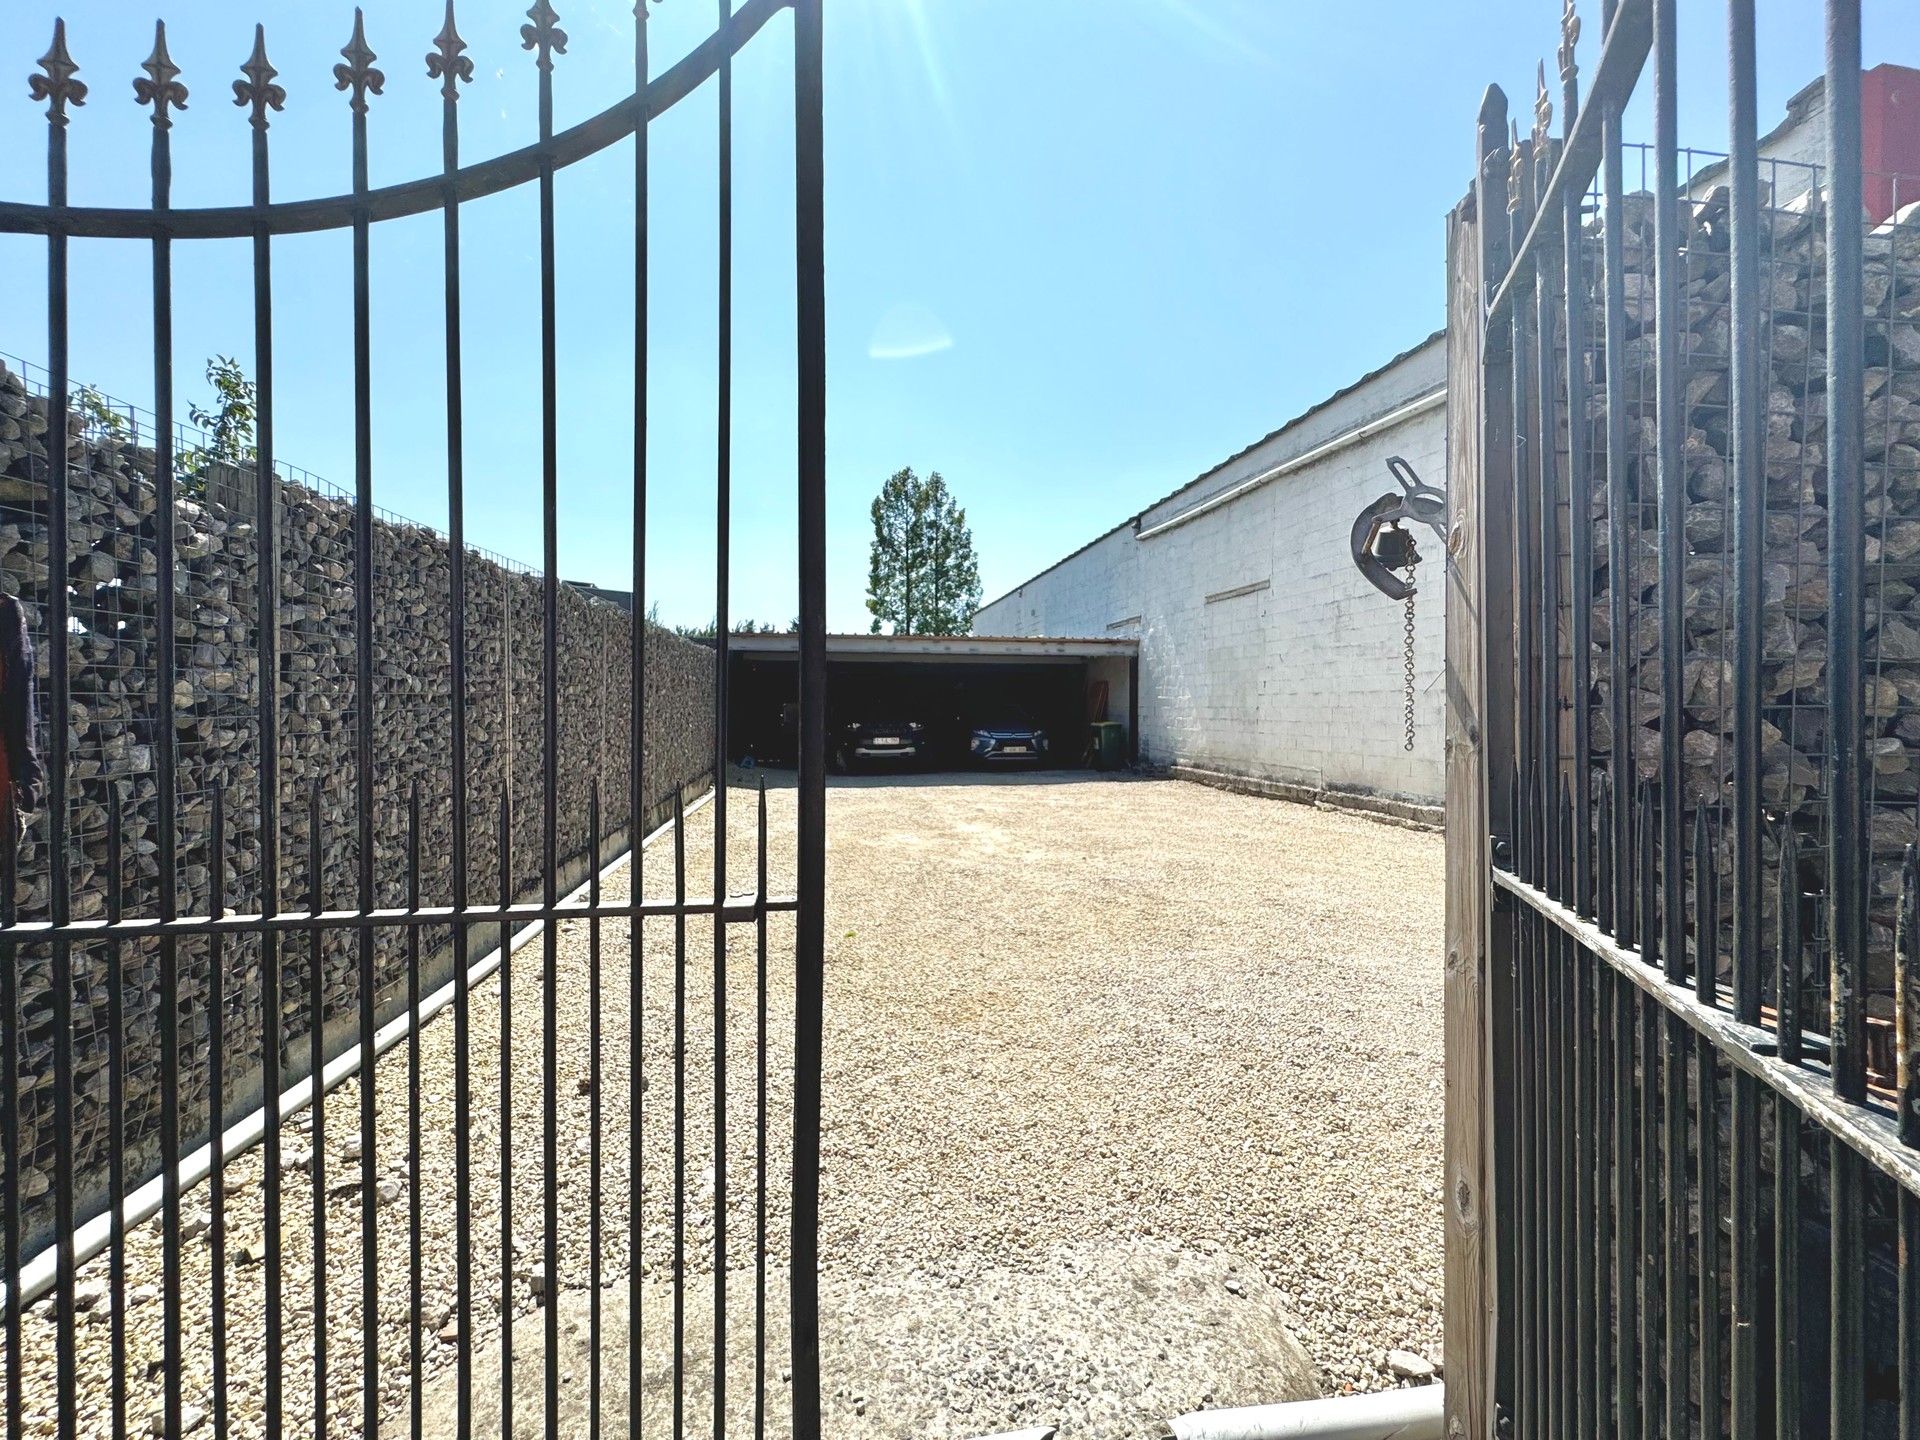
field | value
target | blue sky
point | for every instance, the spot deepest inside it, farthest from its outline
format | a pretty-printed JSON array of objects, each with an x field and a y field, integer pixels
[{"x": 1078, "y": 250}]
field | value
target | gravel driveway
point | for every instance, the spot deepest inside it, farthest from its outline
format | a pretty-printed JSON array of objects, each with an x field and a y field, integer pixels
[
  {"x": 1125, "y": 1080},
  {"x": 1071, "y": 1015}
]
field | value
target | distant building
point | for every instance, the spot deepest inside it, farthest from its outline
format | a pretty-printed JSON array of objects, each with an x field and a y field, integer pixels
[
  {"x": 1265, "y": 656},
  {"x": 621, "y": 598},
  {"x": 1794, "y": 149},
  {"x": 1266, "y": 660}
]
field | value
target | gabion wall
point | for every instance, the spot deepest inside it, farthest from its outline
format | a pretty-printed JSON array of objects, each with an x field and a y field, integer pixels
[
  {"x": 113, "y": 578},
  {"x": 1793, "y": 335}
]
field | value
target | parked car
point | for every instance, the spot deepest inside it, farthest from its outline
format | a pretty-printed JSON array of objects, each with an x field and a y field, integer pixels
[
  {"x": 891, "y": 742},
  {"x": 1005, "y": 737}
]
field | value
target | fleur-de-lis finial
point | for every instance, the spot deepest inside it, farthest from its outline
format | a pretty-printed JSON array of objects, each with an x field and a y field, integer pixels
[
  {"x": 1569, "y": 37},
  {"x": 58, "y": 86},
  {"x": 1516, "y": 168},
  {"x": 445, "y": 63},
  {"x": 258, "y": 89},
  {"x": 358, "y": 74},
  {"x": 1542, "y": 111},
  {"x": 544, "y": 34},
  {"x": 160, "y": 87}
]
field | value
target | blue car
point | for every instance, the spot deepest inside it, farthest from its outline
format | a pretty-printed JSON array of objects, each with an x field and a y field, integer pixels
[{"x": 1006, "y": 737}]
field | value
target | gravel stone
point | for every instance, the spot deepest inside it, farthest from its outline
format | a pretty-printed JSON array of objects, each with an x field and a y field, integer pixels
[{"x": 1405, "y": 1365}]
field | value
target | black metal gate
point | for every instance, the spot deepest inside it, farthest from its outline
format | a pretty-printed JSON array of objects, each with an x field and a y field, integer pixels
[
  {"x": 1685, "y": 1182},
  {"x": 125, "y": 1313}
]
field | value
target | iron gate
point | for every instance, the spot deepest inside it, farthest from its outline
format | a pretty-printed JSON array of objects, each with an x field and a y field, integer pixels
[
  {"x": 1684, "y": 989},
  {"x": 253, "y": 956}
]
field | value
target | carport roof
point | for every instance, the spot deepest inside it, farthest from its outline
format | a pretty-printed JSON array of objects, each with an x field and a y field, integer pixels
[{"x": 956, "y": 647}]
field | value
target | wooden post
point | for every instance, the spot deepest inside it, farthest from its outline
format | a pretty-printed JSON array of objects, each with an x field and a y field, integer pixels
[{"x": 1479, "y": 606}]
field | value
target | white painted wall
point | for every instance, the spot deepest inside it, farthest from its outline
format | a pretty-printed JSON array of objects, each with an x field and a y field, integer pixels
[
  {"x": 1798, "y": 144},
  {"x": 1301, "y": 680}
]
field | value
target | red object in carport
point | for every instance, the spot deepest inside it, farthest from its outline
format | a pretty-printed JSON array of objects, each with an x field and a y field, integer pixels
[{"x": 1890, "y": 138}]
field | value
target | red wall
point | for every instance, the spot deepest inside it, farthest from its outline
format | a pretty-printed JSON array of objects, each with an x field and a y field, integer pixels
[{"x": 1890, "y": 138}]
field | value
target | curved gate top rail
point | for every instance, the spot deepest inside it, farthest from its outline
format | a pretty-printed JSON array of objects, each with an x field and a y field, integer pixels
[{"x": 390, "y": 202}]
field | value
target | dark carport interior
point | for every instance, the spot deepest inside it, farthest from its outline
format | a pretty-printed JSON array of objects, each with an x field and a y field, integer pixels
[{"x": 946, "y": 685}]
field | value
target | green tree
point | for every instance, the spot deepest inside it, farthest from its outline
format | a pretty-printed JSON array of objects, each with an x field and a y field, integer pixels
[{"x": 922, "y": 575}]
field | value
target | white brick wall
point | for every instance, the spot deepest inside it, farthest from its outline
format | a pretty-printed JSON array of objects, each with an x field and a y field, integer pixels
[{"x": 1300, "y": 681}]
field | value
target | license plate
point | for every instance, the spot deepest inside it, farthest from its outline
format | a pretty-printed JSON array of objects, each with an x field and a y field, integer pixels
[
  {"x": 1013, "y": 749},
  {"x": 886, "y": 739}
]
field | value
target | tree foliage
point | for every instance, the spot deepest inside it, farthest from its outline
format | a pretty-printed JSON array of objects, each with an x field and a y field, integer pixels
[
  {"x": 922, "y": 577},
  {"x": 229, "y": 421},
  {"x": 228, "y": 424}
]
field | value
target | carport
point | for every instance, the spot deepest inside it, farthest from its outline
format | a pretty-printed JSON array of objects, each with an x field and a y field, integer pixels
[{"x": 1062, "y": 684}]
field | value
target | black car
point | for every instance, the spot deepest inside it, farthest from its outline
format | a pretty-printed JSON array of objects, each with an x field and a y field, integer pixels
[
  {"x": 1005, "y": 737},
  {"x": 881, "y": 742}
]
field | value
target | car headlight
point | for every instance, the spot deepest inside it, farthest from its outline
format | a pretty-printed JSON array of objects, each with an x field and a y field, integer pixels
[
  {"x": 1040, "y": 739},
  {"x": 981, "y": 744},
  {"x": 915, "y": 726}
]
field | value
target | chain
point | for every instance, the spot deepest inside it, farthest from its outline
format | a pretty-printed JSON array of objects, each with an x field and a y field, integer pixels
[{"x": 1409, "y": 656}]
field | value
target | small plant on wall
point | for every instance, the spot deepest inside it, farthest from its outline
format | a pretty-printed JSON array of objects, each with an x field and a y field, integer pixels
[
  {"x": 99, "y": 420},
  {"x": 228, "y": 424}
]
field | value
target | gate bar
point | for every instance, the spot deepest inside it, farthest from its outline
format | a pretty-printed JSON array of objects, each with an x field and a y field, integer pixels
[
  {"x": 1648, "y": 1238},
  {"x": 316, "y": 1061},
  {"x": 217, "y": 1110},
  {"x": 544, "y": 37},
  {"x": 257, "y": 91},
  {"x": 594, "y": 1189},
  {"x": 1847, "y": 852},
  {"x": 117, "y": 1142},
  {"x": 416, "y": 1247},
  {"x": 1672, "y": 483},
  {"x": 1620, "y": 648},
  {"x": 723, "y": 536},
  {"x": 361, "y": 80},
  {"x": 1846, "y": 869},
  {"x": 58, "y": 87},
  {"x": 760, "y": 1135},
  {"x": 810, "y": 923},
  {"x": 162, "y": 90},
  {"x": 447, "y": 64},
  {"x": 636, "y": 736},
  {"x": 1747, "y": 398},
  {"x": 505, "y": 853}
]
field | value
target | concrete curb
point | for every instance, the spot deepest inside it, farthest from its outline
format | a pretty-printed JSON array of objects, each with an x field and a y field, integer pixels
[
  {"x": 1409, "y": 1414},
  {"x": 1393, "y": 809}
]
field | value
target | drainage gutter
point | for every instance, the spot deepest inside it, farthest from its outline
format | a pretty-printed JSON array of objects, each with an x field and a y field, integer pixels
[{"x": 1411, "y": 1414}]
